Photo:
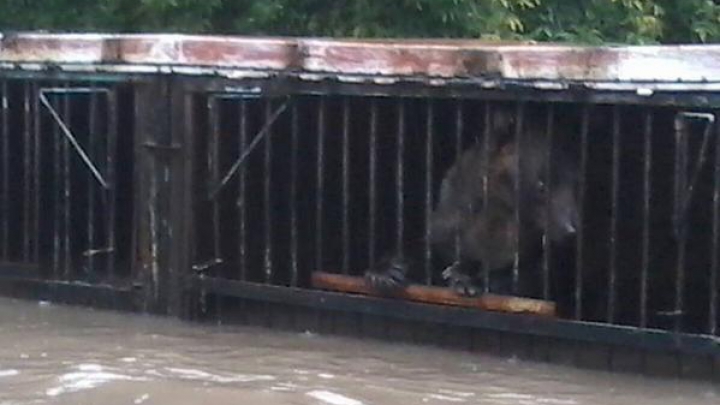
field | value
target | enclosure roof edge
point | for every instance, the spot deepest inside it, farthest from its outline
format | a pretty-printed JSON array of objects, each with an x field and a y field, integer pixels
[{"x": 683, "y": 66}]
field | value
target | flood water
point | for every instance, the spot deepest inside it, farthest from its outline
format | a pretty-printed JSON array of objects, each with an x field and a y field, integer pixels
[{"x": 51, "y": 354}]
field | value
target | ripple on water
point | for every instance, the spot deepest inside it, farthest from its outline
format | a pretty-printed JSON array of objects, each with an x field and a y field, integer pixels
[
  {"x": 8, "y": 373},
  {"x": 332, "y": 398},
  {"x": 195, "y": 374},
  {"x": 85, "y": 377}
]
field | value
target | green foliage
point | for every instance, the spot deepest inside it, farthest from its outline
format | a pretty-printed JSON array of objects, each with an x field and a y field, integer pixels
[{"x": 583, "y": 21}]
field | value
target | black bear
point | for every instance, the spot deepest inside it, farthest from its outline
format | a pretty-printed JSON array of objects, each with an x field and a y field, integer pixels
[{"x": 471, "y": 230}]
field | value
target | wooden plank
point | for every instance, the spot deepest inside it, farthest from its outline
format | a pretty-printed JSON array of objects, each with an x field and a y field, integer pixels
[{"x": 436, "y": 295}]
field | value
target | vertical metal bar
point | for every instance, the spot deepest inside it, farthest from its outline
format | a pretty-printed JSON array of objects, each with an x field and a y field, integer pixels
[
  {"x": 373, "y": 179},
  {"x": 713, "y": 299},
  {"x": 458, "y": 153},
  {"x": 581, "y": 209},
  {"x": 36, "y": 169},
  {"x": 213, "y": 106},
  {"x": 681, "y": 161},
  {"x": 242, "y": 200},
  {"x": 547, "y": 253},
  {"x": 189, "y": 101},
  {"x": 346, "y": 186},
  {"x": 92, "y": 132},
  {"x": 5, "y": 170},
  {"x": 429, "y": 159},
  {"x": 136, "y": 269},
  {"x": 320, "y": 186},
  {"x": 27, "y": 169},
  {"x": 519, "y": 122},
  {"x": 647, "y": 191},
  {"x": 612, "y": 274},
  {"x": 293, "y": 194},
  {"x": 268, "y": 197},
  {"x": 112, "y": 134},
  {"x": 400, "y": 179},
  {"x": 56, "y": 203},
  {"x": 67, "y": 249},
  {"x": 486, "y": 153},
  {"x": 679, "y": 178},
  {"x": 213, "y": 170}
]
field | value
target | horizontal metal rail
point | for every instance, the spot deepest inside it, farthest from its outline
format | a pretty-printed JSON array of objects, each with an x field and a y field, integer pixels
[{"x": 656, "y": 340}]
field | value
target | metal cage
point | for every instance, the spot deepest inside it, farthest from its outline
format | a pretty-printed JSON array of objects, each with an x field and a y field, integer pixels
[{"x": 212, "y": 175}]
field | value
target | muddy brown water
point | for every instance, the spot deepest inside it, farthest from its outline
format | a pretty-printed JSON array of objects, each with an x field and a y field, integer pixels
[{"x": 52, "y": 354}]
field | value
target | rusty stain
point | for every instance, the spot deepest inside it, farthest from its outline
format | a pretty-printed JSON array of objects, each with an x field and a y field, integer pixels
[{"x": 391, "y": 60}]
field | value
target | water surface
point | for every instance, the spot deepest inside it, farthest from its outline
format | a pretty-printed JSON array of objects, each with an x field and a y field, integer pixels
[{"x": 51, "y": 354}]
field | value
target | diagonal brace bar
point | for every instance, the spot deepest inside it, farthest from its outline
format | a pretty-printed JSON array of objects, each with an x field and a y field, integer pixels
[
  {"x": 259, "y": 137},
  {"x": 683, "y": 201},
  {"x": 71, "y": 138}
]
